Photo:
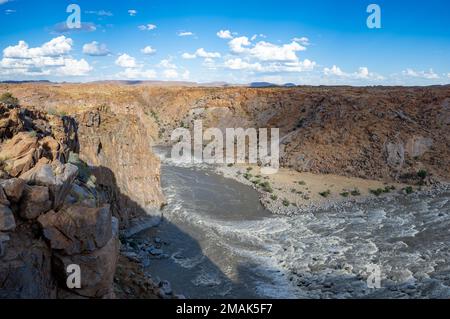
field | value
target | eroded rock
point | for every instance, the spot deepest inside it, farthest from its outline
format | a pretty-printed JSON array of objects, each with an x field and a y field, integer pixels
[
  {"x": 77, "y": 229},
  {"x": 35, "y": 201}
]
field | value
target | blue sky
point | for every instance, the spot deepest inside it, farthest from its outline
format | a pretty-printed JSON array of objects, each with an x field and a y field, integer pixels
[{"x": 305, "y": 42}]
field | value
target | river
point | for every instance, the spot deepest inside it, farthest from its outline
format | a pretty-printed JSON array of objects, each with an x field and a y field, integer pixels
[{"x": 221, "y": 243}]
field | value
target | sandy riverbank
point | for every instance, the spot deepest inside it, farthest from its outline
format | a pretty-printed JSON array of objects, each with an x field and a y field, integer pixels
[{"x": 291, "y": 192}]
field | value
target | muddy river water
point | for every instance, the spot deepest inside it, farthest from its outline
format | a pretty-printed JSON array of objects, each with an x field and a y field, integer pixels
[{"x": 221, "y": 243}]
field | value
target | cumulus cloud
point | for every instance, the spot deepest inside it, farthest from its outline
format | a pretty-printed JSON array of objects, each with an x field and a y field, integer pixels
[
  {"x": 185, "y": 33},
  {"x": 239, "y": 64},
  {"x": 224, "y": 34},
  {"x": 148, "y": 50},
  {"x": 167, "y": 63},
  {"x": 126, "y": 61},
  {"x": 266, "y": 51},
  {"x": 132, "y": 12},
  {"x": 51, "y": 58},
  {"x": 237, "y": 45},
  {"x": 429, "y": 75},
  {"x": 170, "y": 74},
  {"x": 95, "y": 49},
  {"x": 137, "y": 74},
  {"x": 133, "y": 69},
  {"x": 362, "y": 73},
  {"x": 147, "y": 27},
  {"x": 201, "y": 53}
]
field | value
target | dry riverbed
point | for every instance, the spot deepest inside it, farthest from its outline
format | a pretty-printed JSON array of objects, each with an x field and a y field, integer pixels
[{"x": 290, "y": 192}]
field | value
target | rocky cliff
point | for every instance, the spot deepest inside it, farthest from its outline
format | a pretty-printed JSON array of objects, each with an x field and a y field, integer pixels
[
  {"x": 64, "y": 186},
  {"x": 384, "y": 133}
]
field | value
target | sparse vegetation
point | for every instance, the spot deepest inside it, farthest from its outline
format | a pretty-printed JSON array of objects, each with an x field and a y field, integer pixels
[
  {"x": 286, "y": 203},
  {"x": 325, "y": 194},
  {"x": 376, "y": 192},
  {"x": 422, "y": 174},
  {"x": 355, "y": 192},
  {"x": 408, "y": 190},
  {"x": 345, "y": 194},
  {"x": 273, "y": 197},
  {"x": 301, "y": 183},
  {"x": 9, "y": 100},
  {"x": 266, "y": 187}
]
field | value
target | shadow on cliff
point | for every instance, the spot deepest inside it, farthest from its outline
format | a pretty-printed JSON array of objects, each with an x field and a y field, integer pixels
[{"x": 180, "y": 258}]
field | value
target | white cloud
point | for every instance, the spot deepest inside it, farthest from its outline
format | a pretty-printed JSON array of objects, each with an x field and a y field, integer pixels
[
  {"x": 224, "y": 34},
  {"x": 3, "y": 1},
  {"x": 335, "y": 70},
  {"x": 148, "y": 50},
  {"x": 302, "y": 40},
  {"x": 132, "y": 12},
  {"x": 429, "y": 75},
  {"x": 201, "y": 53},
  {"x": 95, "y": 49},
  {"x": 52, "y": 58},
  {"x": 237, "y": 45},
  {"x": 133, "y": 73},
  {"x": 9, "y": 11},
  {"x": 186, "y": 74},
  {"x": 55, "y": 47},
  {"x": 185, "y": 33},
  {"x": 147, "y": 27},
  {"x": 126, "y": 61},
  {"x": 170, "y": 74},
  {"x": 239, "y": 64},
  {"x": 362, "y": 73},
  {"x": 167, "y": 64},
  {"x": 74, "y": 68},
  {"x": 188, "y": 56},
  {"x": 448, "y": 75},
  {"x": 266, "y": 51}
]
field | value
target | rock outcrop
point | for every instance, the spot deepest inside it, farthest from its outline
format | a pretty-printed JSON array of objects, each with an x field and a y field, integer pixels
[
  {"x": 350, "y": 131},
  {"x": 52, "y": 213},
  {"x": 120, "y": 144}
]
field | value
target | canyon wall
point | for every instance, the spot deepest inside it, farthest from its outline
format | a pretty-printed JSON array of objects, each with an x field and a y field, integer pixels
[{"x": 384, "y": 133}]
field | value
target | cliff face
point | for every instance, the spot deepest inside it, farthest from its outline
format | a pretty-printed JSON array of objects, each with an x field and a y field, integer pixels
[
  {"x": 385, "y": 133},
  {"x": 118, "y": 146},
  {"x": 53, "y": 213}
]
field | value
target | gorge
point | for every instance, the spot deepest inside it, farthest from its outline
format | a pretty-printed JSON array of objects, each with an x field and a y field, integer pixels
[{"x": 217, "y": 237}]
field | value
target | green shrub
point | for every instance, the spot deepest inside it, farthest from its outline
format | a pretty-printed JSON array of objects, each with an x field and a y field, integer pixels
[
  {"x": 376, "y": 192},
  {"x": 286, "y": 202},
  {"x": 409, "y": 190},
  {"x": 345, "y": 194},
  {"x": 422, "y": 174},
  {"x": 273, "y": 197},
  {"x": 301, "y": 183},
  {"x": 266, "y": 187},
  {"x": 9, "y": 100},
  {"x": 325, "y": 194},
  {"x": 355, "y": 192}
]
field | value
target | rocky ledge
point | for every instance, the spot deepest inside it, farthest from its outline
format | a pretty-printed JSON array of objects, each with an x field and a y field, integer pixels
[{"x": 56, "y": 210}]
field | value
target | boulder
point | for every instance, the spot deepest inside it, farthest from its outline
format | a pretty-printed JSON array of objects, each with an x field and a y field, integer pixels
[
  {"x": 7, "y": 221},
  {"x": 77, "y": 229},
  {"x": 19, "y": 153},
  {"x": 13, "y": 188},
  {"x": 3, "y": 199},
  {"x": 35, "y": 201},
  {"x": 26, "y": 268},
  {"x": 56, "y": 176},
  {"x": 97, "y": 268}
]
